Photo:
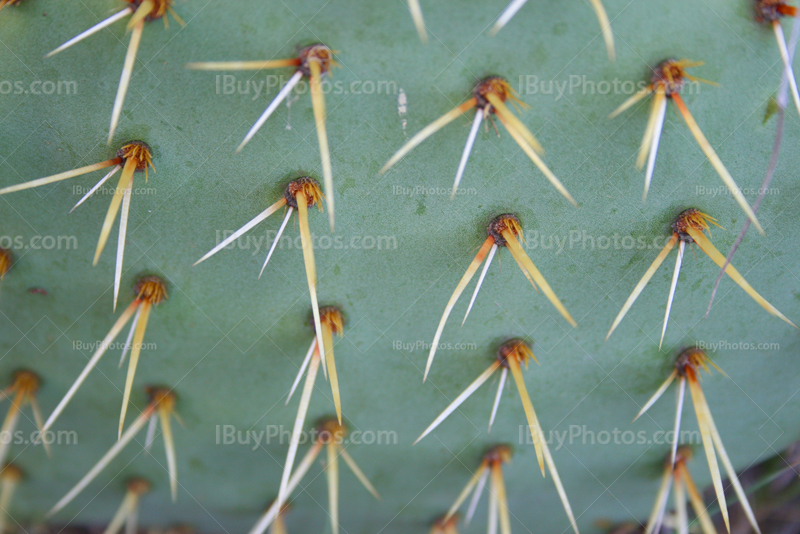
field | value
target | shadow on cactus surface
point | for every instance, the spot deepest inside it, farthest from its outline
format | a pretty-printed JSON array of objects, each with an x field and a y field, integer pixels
[{"x": 231, "y": 344}]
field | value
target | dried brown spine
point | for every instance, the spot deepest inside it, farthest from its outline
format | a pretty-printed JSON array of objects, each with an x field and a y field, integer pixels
[
  {"x": 669, "y": 74},
  {"x": 151, "y": 289},
  {"x": 138, "y": 485},
  {"x": 773, "y": 10},
  {"x": 498, "y": 454},
  {"x": 330, "y": 430},
  {"x": 690, "y": 358},
  {"x": 491, "y": 84},
  {"x": 333, "y": 318},
  {"x": 302, "y": 183},
  {"x": 319, "y": 53},
  {"x": 6, "y": 261},
  {"x": 163, "y": 398},
  {"x": 26, "y": 380},
  {"x": 12, "y": 473},
  {"x": 140, "y": 151},
  {"x": 159, "y": 10},
  {"x": 496, "y": 226}
]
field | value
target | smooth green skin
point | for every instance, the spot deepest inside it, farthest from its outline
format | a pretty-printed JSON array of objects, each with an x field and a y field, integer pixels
[{"x": 231, "y": 343}]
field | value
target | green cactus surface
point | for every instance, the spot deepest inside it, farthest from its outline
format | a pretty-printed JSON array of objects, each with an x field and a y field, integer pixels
[{"x": 230, "y": 343}]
